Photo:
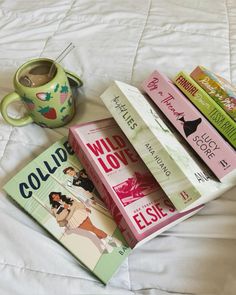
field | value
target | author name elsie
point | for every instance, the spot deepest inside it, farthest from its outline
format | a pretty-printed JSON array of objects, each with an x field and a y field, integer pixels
[{"x": 153, "y": 213}]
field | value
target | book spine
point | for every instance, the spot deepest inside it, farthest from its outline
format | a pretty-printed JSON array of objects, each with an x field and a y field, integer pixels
[
  {"x": 105, "y": 195},
  {"x": 177, "y": 186},
  {"x": 215, "y": 90},
  {"x": 218, "y": 155},
  {"x": 209, "y": 108}
]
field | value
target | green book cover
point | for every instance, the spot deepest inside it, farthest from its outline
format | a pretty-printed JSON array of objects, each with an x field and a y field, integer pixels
[
  {"x": 209, "y": 108},
  {"x": 56, "y": 191},
  {"x": 223, "y": 92}
]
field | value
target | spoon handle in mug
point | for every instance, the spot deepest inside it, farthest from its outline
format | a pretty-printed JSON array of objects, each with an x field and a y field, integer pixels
[{"x": 6, "y": 101}]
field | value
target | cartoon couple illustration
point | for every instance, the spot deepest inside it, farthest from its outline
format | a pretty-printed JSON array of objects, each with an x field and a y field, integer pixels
[
  {"x": 82, "y": 186},
  {"x": 79, "y": 178},
  {"x": 74, "y": 216}
]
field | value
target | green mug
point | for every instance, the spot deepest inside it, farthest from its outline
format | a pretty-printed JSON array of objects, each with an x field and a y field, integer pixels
[{"x": 43, "y": 86}]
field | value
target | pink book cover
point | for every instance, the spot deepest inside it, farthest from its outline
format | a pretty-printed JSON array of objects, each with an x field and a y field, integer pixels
[
  {"x": 104, "y": 194},
  {"x": 218, "y": 155},
  {"x": 124, "y": 181}
]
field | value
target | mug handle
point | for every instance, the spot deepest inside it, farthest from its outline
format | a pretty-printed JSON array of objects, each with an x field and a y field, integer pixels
[
  {"x": 6, "y": 101},
  {"x": 78, "y": 82}
]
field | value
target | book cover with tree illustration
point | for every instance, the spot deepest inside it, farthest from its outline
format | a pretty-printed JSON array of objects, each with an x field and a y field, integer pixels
[{"x": 56, "y": 191}]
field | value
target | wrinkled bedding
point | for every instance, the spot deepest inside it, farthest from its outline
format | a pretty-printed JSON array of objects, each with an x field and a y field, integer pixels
[{"x": 122, "y": 40}]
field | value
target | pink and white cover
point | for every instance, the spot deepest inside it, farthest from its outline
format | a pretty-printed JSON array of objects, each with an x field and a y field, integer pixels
[
  {"x": 142, "y": 210},
  {"x": 218, "y": 155}
]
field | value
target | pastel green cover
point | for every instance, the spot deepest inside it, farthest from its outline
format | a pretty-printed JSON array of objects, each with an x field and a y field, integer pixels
[
  {"x": 30, "y": 188},
  {"x": 218, "y": 88},
  {"x": 178, "y": 172},
  {"x": 209, "y": 108}
]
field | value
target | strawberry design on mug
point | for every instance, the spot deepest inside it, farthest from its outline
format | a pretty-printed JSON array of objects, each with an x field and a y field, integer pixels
[
  {"x": 48, "y": 112},
  {"x": 63, "y": 93},
  {"x": 48, "y": 97},
  {"x": 44, "y": 96},
  {"x": 56, "y": 87},
  {"x": 29, "y": 102}
]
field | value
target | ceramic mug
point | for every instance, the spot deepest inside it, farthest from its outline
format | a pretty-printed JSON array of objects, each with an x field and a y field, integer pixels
[{"x": 49, "y": 100}]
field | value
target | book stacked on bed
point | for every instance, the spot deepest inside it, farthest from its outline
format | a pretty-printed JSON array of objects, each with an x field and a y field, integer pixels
[
  {"x": 201, "y": 121},
  {"x": 154, "y": 164},
  {"x": 164, "y": 134}
]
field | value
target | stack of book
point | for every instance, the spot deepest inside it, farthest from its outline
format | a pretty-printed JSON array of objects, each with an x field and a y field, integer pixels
[
  {"x": 128, "y": 178},
  {"x": 143, "y": 209},
  {"x": 176, "y": 133},
  {"x": 158, "y": 160},
  {"x": 198, "y": 118}
]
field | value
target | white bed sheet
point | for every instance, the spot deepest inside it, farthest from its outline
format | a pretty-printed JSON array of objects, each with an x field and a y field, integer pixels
[{"x": 123, "y": 40}]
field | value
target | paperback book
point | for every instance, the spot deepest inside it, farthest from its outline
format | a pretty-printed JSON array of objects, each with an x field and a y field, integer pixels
[
  {"x": 57, "y": 192},
  {"x": 218, "y": 88},
  {"x": 219, "y": 156},
  {"x": 183, "y": 177},
  {"x": 103, "y": 148},
  {"x": 209, "y": 108}
]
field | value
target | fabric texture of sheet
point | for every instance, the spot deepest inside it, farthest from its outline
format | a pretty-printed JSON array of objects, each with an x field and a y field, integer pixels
[{"x": 123, "y": 40}]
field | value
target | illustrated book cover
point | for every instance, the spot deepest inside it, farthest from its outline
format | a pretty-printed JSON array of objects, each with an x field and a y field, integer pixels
[
  {"x": 146, "y": 209},
  {"x": 56, "y": 191},
  {"x": 207, "y": 106},
  {"x": 183, "y": 177},
  {"x": 214, "y": 150},
  {"x": 223, "y": 92}
]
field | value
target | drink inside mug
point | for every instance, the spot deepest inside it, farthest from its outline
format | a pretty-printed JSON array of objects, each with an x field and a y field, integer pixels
[{"x": 37, "y": 74}]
